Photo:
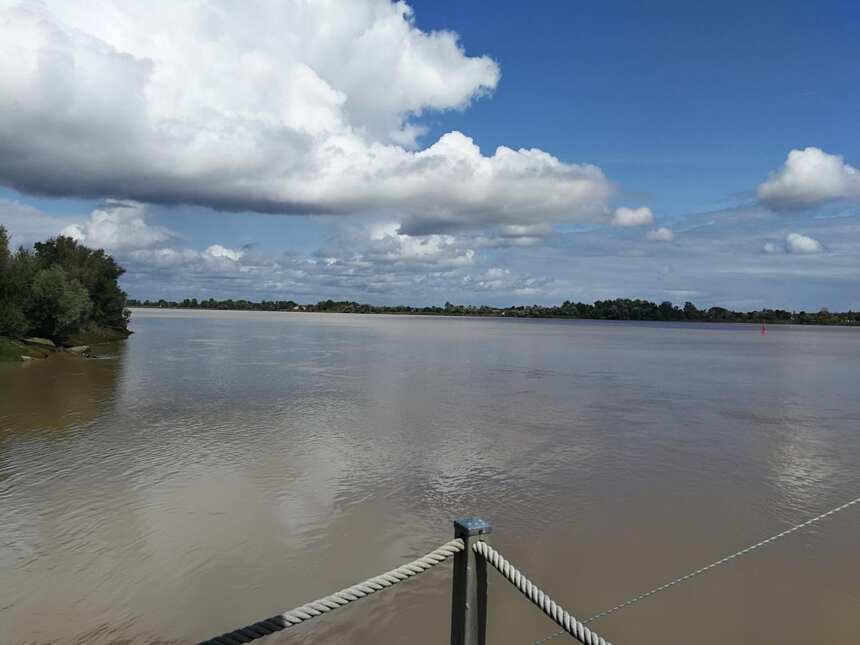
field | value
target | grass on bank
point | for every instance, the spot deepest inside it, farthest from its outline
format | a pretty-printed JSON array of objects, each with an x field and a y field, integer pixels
[{"x": 11, "y": 351}]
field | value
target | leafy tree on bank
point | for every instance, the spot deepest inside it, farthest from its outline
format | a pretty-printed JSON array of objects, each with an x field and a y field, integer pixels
[
  {"x": 16, "y": 271},
  {"x": 60, "y": 305},
  {"x": 5, "y": 255},
  {"x": 58, "y": 289},
  {"x": 95, "y": 270}
]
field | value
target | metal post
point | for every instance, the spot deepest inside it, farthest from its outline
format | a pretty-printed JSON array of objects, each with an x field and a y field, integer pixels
[{"x": 469, "y": 593}]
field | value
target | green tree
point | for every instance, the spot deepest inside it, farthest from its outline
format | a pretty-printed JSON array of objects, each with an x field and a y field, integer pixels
[
  {"x": 60, "y": 304},
  {"x": 13, "y": 322},
  {"x": 15, "y": 275},
  {"x": 96, "y": 271},
  {"x": 665, "y": 310},
  {"x": 5, "y": 255}
]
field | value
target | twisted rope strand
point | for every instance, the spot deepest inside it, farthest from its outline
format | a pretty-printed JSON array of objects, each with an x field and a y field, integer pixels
[
  {"x": 338, "y": 599},
  {"x": 708, "y": 567},
  {"x": 546, "y": 604}
]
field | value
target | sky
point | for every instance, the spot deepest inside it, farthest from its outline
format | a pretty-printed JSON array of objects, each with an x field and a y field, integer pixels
[{"x": 513, "y": 153}]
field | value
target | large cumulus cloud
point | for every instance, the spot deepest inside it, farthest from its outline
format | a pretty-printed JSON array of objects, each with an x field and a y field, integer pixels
[
  {"x": 276, "y": 106},
  {"x": 809, "y": 177}
]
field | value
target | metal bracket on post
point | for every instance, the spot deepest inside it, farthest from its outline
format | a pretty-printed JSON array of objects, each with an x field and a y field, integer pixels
[{"x": 469, "y": 594}]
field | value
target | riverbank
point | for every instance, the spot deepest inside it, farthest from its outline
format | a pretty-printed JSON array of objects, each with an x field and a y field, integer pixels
[{"x": 14, "y": 350}]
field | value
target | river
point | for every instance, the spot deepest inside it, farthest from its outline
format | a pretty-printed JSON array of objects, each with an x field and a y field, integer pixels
[{"x": 221, "y": 467}]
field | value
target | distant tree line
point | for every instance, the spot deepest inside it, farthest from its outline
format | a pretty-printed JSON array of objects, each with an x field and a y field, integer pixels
[
  {"x": 224, "y": 305},
  {"x": 57, "y": 289},
  {"x": 618, "y": 309}
]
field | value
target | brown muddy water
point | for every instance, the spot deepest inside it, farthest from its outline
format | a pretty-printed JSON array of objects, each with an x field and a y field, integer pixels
[{"x": 218, "y": 468}]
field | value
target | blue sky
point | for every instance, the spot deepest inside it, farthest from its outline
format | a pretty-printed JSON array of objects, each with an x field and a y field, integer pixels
[
  {"x": 687, "y": 105},
  {"x": 730, "y": 131}
]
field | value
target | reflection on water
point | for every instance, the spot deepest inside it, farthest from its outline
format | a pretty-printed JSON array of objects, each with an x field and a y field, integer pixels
[
  {"x": 226, "y": 466},
  {"x": 65, "y": 391}
]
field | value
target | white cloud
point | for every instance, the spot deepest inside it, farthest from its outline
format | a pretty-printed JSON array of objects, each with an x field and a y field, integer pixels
[
  {"x": 385, "y": 246},
  {"x": 625, "y": 217},
  {"x": 794, "y": 243},
  {"x": 119, "y": 226},
  {"x": 505, "y": 281},
  {"x": 662, "y": 234},
  {"x": 773, "y": 247},
  {"x": 216, "y": 262},
  {"x": 801, "y": 244},
  {"x": 218, "y": 251},
  {"x": 287, "y": 107},
  {"x": 810, "y": 176},
  {"x": 516, "y": 231}
]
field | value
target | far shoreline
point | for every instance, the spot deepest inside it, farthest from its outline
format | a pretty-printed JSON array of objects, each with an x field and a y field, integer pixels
[
  {"x": 620, "y": 309},
  {"x": 413, "y": 314}
]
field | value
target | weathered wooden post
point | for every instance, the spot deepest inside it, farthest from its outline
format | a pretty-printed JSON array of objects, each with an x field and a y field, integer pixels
[{"x": 469, "y": 593}]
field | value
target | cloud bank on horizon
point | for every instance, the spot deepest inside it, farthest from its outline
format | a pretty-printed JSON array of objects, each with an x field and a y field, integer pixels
[{"x": 376, "y": 260}]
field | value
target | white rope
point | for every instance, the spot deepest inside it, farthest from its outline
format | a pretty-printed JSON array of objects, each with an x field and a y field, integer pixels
[
  {"x": 721, "y": 561},
  {"x": 546, "y": 604},
  {"x": 339, "y": 599}
]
